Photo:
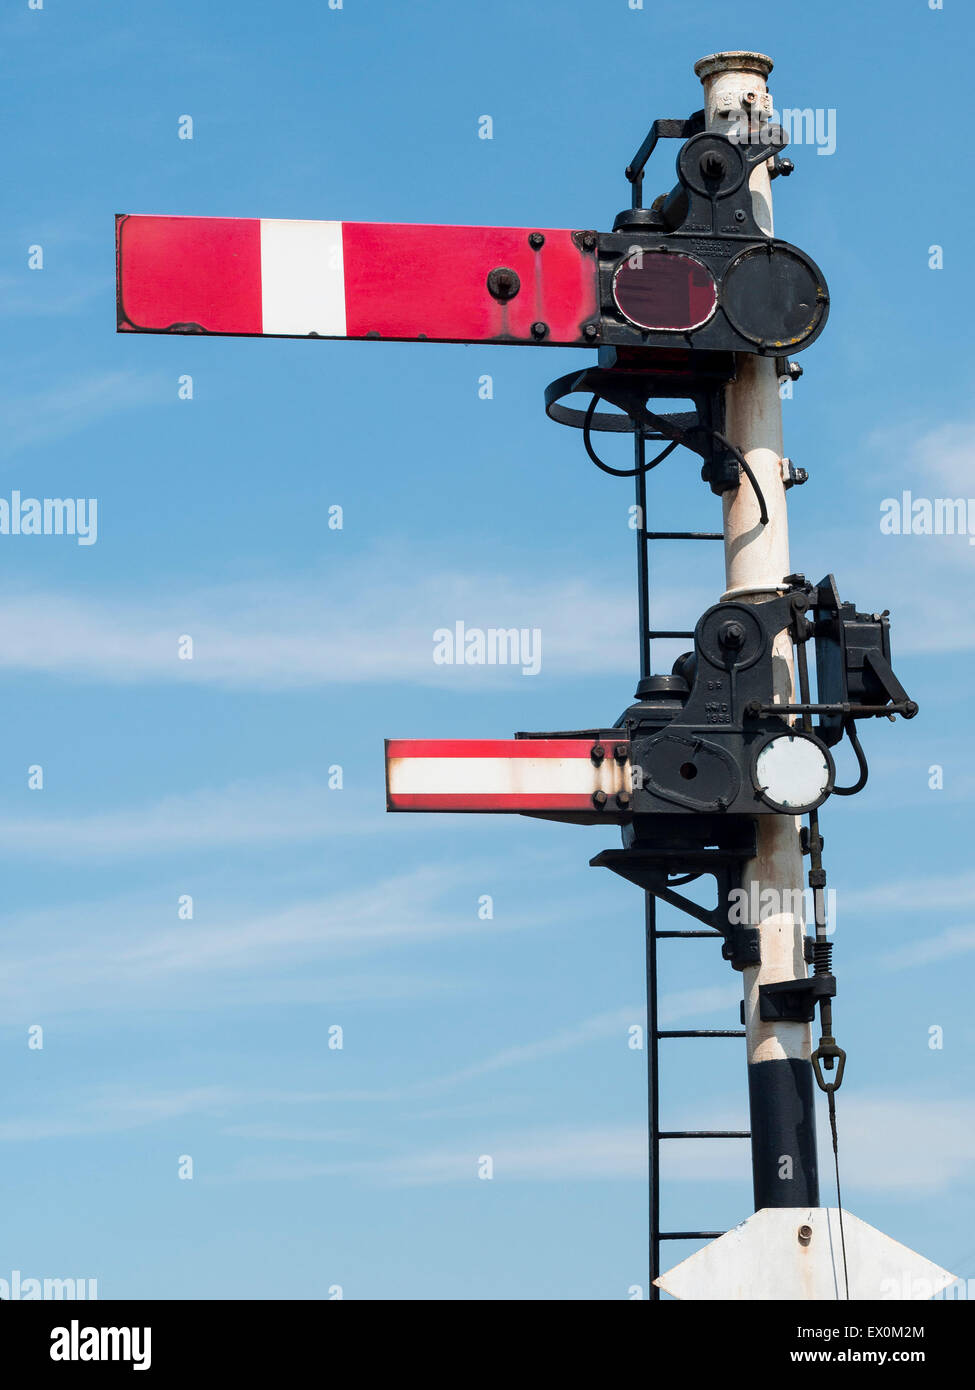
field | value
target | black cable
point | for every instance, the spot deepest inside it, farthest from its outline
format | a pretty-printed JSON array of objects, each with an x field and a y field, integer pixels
[
  {"x": 831, "y": 1098},
  {"x": 823, "y": 949},
  {"x": 849, "y": 727},
  {"x": 684, "y": 878},
  {"x": 618, "y": 472},
  {"x": 747, "y": 470},
  {"x": 632, "y": 472}
]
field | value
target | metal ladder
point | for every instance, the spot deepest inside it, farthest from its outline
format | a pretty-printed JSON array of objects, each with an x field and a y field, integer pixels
[{"x": 655, "y": 1035}]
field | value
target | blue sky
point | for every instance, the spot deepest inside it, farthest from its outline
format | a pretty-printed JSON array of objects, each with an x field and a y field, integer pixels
[{"x": 314, "y": 1167}]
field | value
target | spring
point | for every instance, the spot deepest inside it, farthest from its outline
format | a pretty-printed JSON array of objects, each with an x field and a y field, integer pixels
[{"x": 823, "y": 957}]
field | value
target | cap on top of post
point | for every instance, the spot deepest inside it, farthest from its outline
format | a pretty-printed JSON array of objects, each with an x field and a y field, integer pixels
[{"x": 734, "y": 60}]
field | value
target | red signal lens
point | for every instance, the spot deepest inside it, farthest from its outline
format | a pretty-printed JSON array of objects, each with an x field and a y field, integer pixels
[{"x": 664, "y": 290}]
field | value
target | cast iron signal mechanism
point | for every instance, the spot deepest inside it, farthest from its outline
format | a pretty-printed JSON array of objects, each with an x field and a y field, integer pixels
[
  {"x": 853, "y": 663},
  {"x": 710, "y": 741},
  {"x": 710, "y": 738},
  {"x": 697, "y": 266},
  {"x": 683, "y": 287},
  {"x": 710, "y": 751}
]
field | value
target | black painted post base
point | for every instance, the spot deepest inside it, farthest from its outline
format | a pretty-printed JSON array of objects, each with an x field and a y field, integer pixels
[{"x": 784, "y": 1162}]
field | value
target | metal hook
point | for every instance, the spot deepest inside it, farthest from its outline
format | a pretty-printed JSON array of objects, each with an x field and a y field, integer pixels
[{"x": 828, "y": 1051}]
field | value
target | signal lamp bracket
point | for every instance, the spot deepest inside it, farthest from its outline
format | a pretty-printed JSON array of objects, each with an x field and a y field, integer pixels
[
  {"x": 681, "y": 846},
  {"x": 733, "y": 287},
  {"x": 794, "y": 1001},
  {"x": 630, "y": 380}
]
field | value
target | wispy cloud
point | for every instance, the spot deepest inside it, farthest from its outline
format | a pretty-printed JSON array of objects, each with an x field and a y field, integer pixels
[
  {"x": 34, "y": 295},
  {"x": 946, "y": 456},
  {"x": 903, "y": 1142},
  {"x": 610, "y": 1024},
  {"x": 64, "y": 408},
  {"x": 292, "y": 1134},
  {"x": 296, "y": 633},
  {"x": 114, "y": 1110},
  {"x": 106, "y": 1110},
  {"x": 944, "y": 945},
  {"x": 931, "y": 892},
  {"x": 926, "y": 580},
  {"x": 243, "y": 813},
  {"x": 687, "y": 1003},
  {"x": 891, "y": 1144},
  {"x": 547, "y": 1155},
  {"x": 85, "y": 960}
]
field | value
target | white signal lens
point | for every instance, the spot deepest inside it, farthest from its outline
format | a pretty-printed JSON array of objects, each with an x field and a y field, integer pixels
[{"x": 794, "y": 773}]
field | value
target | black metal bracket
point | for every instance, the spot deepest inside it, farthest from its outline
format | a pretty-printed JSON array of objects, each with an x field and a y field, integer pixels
[
  {"x": 853, "y": 670},
  {"x": 687, "y": 848},
  {"x": 664, "y": 128},
  {"x": 794, "y": 1001},
  {"x": 623, "y": 379}
]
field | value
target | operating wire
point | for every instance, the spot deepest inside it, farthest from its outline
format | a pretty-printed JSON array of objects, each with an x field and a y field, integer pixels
[
  {"x": 747, "y": 470},
  {"x": 823, "y": 950},
  {"x": 618, "y": 472},
  {"x": 665, "y": 453},
  {"x": 831, "y": 1099},
  {"x": 849, "y": 728}
]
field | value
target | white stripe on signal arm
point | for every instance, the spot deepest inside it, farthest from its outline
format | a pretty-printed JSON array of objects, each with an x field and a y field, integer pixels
[
  {"x": 506, "y": 776},
  {"x": 302, "y": 278}
]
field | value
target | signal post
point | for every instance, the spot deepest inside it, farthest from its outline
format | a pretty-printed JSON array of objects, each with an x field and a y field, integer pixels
[{"x": 780, "y": 1078}]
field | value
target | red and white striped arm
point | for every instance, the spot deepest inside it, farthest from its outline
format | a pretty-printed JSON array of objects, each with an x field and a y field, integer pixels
[
  {"x": 254, "y": 276},
  {"x": 534, "y": 775}
]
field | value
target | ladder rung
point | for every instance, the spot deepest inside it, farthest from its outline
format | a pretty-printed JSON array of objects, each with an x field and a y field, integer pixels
[
  {"x": 684, "y": 535},
  {"x": 690, "y": 1235},
  {"x": 715, "y": 934},
  {"x": 670, "y": 634},
  {"x": 702, "y": 1033},
  {"x": 705, "y": 1134}
]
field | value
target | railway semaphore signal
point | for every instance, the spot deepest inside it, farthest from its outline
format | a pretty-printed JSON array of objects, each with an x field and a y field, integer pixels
[{"x": 709, "y": 771}]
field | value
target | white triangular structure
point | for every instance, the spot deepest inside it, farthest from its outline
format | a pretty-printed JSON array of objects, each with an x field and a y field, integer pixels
[{"x": 796, "y": 1253}]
